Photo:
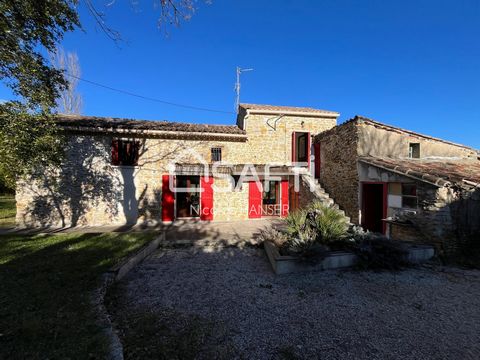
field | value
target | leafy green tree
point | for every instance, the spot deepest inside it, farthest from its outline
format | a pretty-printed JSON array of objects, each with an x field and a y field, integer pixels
[
  {"x": 27, "y": 141},
  {"x": 29, "y": 30}
]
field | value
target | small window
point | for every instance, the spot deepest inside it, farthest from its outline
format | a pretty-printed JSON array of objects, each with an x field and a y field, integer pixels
[
  {"x": 402, "y": 195},
  {"x": 414, "y": 151},
  {"x": 125, "y": 152},
  {"x": 216, "y": 153},
  {"x": 409, "y": 196},
  {"x": 236, "y": 180}
]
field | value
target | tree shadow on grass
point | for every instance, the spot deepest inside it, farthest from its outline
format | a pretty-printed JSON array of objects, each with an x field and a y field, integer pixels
[{"x": 45, "y": 288}]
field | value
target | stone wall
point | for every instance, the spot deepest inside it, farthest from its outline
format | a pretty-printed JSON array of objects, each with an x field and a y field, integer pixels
[
  {"x": 273, "y": 144},
  {"x": 375, "y": 141},
  {"x": 88, "y": 190},
  {"x": 229, "y": 205},
  {"x": 450, "y": 219},
  {"x": 338, "y": 174}
]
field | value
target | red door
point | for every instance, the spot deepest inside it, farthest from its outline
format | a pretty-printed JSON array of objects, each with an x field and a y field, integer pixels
[
  {"x": 374, "y": 206},
  {"x": 254, "y": 200},
  {"x": 316, "y": 153},
  {"x": 168, "y": 199},
  {"x": 284, "y": 198},
  {"x": 206, "y": 198}
]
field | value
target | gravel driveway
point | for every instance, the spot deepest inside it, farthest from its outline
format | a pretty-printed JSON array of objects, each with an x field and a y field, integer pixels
[{"x": 423, "y": 313}]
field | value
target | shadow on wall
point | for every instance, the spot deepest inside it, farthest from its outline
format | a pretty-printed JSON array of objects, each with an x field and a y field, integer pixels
[
  {"x": 465, "y": 214},
  {"x": 86, "y": 189},
  {"x": 452, "y": 223}
]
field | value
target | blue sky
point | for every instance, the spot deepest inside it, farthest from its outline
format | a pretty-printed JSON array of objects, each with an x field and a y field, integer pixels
[{"x": 413, "y": 64}]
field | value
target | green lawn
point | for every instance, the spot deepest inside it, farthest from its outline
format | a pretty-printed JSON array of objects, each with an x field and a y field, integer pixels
[
  {"x": 45, "y": 286},
  {"x": 7, "y": 211}
]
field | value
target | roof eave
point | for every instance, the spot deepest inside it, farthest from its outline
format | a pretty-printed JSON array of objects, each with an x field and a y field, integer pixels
[
  {"x": 154, "y": 133},
  {"x": 293, "y": 113}
]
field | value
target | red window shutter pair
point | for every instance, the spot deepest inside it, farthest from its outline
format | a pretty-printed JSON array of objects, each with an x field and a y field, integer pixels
[
  {"x": 255, "y": 199},
  {"x": 206, "y": 199},
  {"x": 125, "y": 152}
]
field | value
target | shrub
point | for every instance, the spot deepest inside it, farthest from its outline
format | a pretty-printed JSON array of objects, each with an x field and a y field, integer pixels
[
  {"x": 379, "y": 253},
  {"x": 273, "y": 235},
  {"x": 310, "y": 231},
  {"x": 329, "y": 223},
  {"x": 297, "y": 226}
]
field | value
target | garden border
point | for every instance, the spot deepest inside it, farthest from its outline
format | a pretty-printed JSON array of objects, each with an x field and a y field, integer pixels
[{"x": 108, "y": 278}]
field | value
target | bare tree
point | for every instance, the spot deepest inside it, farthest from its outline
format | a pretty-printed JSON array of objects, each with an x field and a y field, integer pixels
[
  {"x": 172, "y": 13},
  {"x": 70, "y": 101}
]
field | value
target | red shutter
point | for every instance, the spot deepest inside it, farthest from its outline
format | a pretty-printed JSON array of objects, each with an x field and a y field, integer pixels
[
  {"x": 309, "y": 144},
  {"x": 168, "y": 200},
  {"x": 255, "y": 200},
  {"x": 316, "y": 149},
  {"x": 136, "y": 152},
  {"x": 284, "y": 198},
  {"x": 294, "y": 148},
  {"x": 115, "y": 159},
  {"x": 206, "y": 198}
]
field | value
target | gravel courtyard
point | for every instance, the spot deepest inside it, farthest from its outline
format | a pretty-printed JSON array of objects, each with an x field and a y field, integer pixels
[{"x": 227, "y": 303}]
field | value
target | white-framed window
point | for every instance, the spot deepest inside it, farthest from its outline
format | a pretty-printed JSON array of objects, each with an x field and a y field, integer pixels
[
  {"x": 414, "y": 150},
  {"x": 402, "y": 195}
]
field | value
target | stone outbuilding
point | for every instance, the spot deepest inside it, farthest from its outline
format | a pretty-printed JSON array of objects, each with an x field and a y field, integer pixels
[{"x": 406, "y": 185}]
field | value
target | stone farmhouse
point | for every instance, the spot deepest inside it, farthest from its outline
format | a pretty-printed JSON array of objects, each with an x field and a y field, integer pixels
[{"x": 123, "y": 171}]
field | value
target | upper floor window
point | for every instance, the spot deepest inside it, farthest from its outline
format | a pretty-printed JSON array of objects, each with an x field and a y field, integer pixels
[
  {"x": 125, "y": 152},
  {"x": 414, "y": 150},
  {"x": 216, "y": 154}
]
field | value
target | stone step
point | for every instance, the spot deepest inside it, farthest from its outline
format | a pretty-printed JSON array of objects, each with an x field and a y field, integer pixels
[{"x": 324, "y": 197}]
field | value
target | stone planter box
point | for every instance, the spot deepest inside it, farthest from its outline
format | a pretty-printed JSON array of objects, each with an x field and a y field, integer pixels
[{"x": 334, "y": 260}]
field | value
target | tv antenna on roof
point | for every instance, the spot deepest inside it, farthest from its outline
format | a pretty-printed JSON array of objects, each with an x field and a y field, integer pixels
[{"x": 237, "y": 86}]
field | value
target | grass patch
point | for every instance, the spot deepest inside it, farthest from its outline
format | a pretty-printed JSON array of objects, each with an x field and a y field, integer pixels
[
  {"x": 45, "y": 286},
  {"x": 7, "y": 211}
]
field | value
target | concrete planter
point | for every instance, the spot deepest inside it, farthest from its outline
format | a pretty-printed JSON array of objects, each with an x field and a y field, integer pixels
[
  {"x": 334, "y": 260},
  {"x": 291, "y": 264},
  {"x": 420, "y": 253}
]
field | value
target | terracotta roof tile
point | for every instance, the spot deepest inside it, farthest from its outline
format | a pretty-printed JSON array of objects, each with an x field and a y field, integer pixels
[
  {"x": 441, "y": 172},
  {"x": 131, "y": 124}
]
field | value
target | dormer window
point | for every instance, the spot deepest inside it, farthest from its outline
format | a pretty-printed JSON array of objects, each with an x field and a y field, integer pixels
[{"x": 414, "y": 151}]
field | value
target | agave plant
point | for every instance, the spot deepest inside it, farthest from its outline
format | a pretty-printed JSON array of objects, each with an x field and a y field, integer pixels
[
  {"x": 297, "y": 226},
  {"x": 330, "y": 225}
]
